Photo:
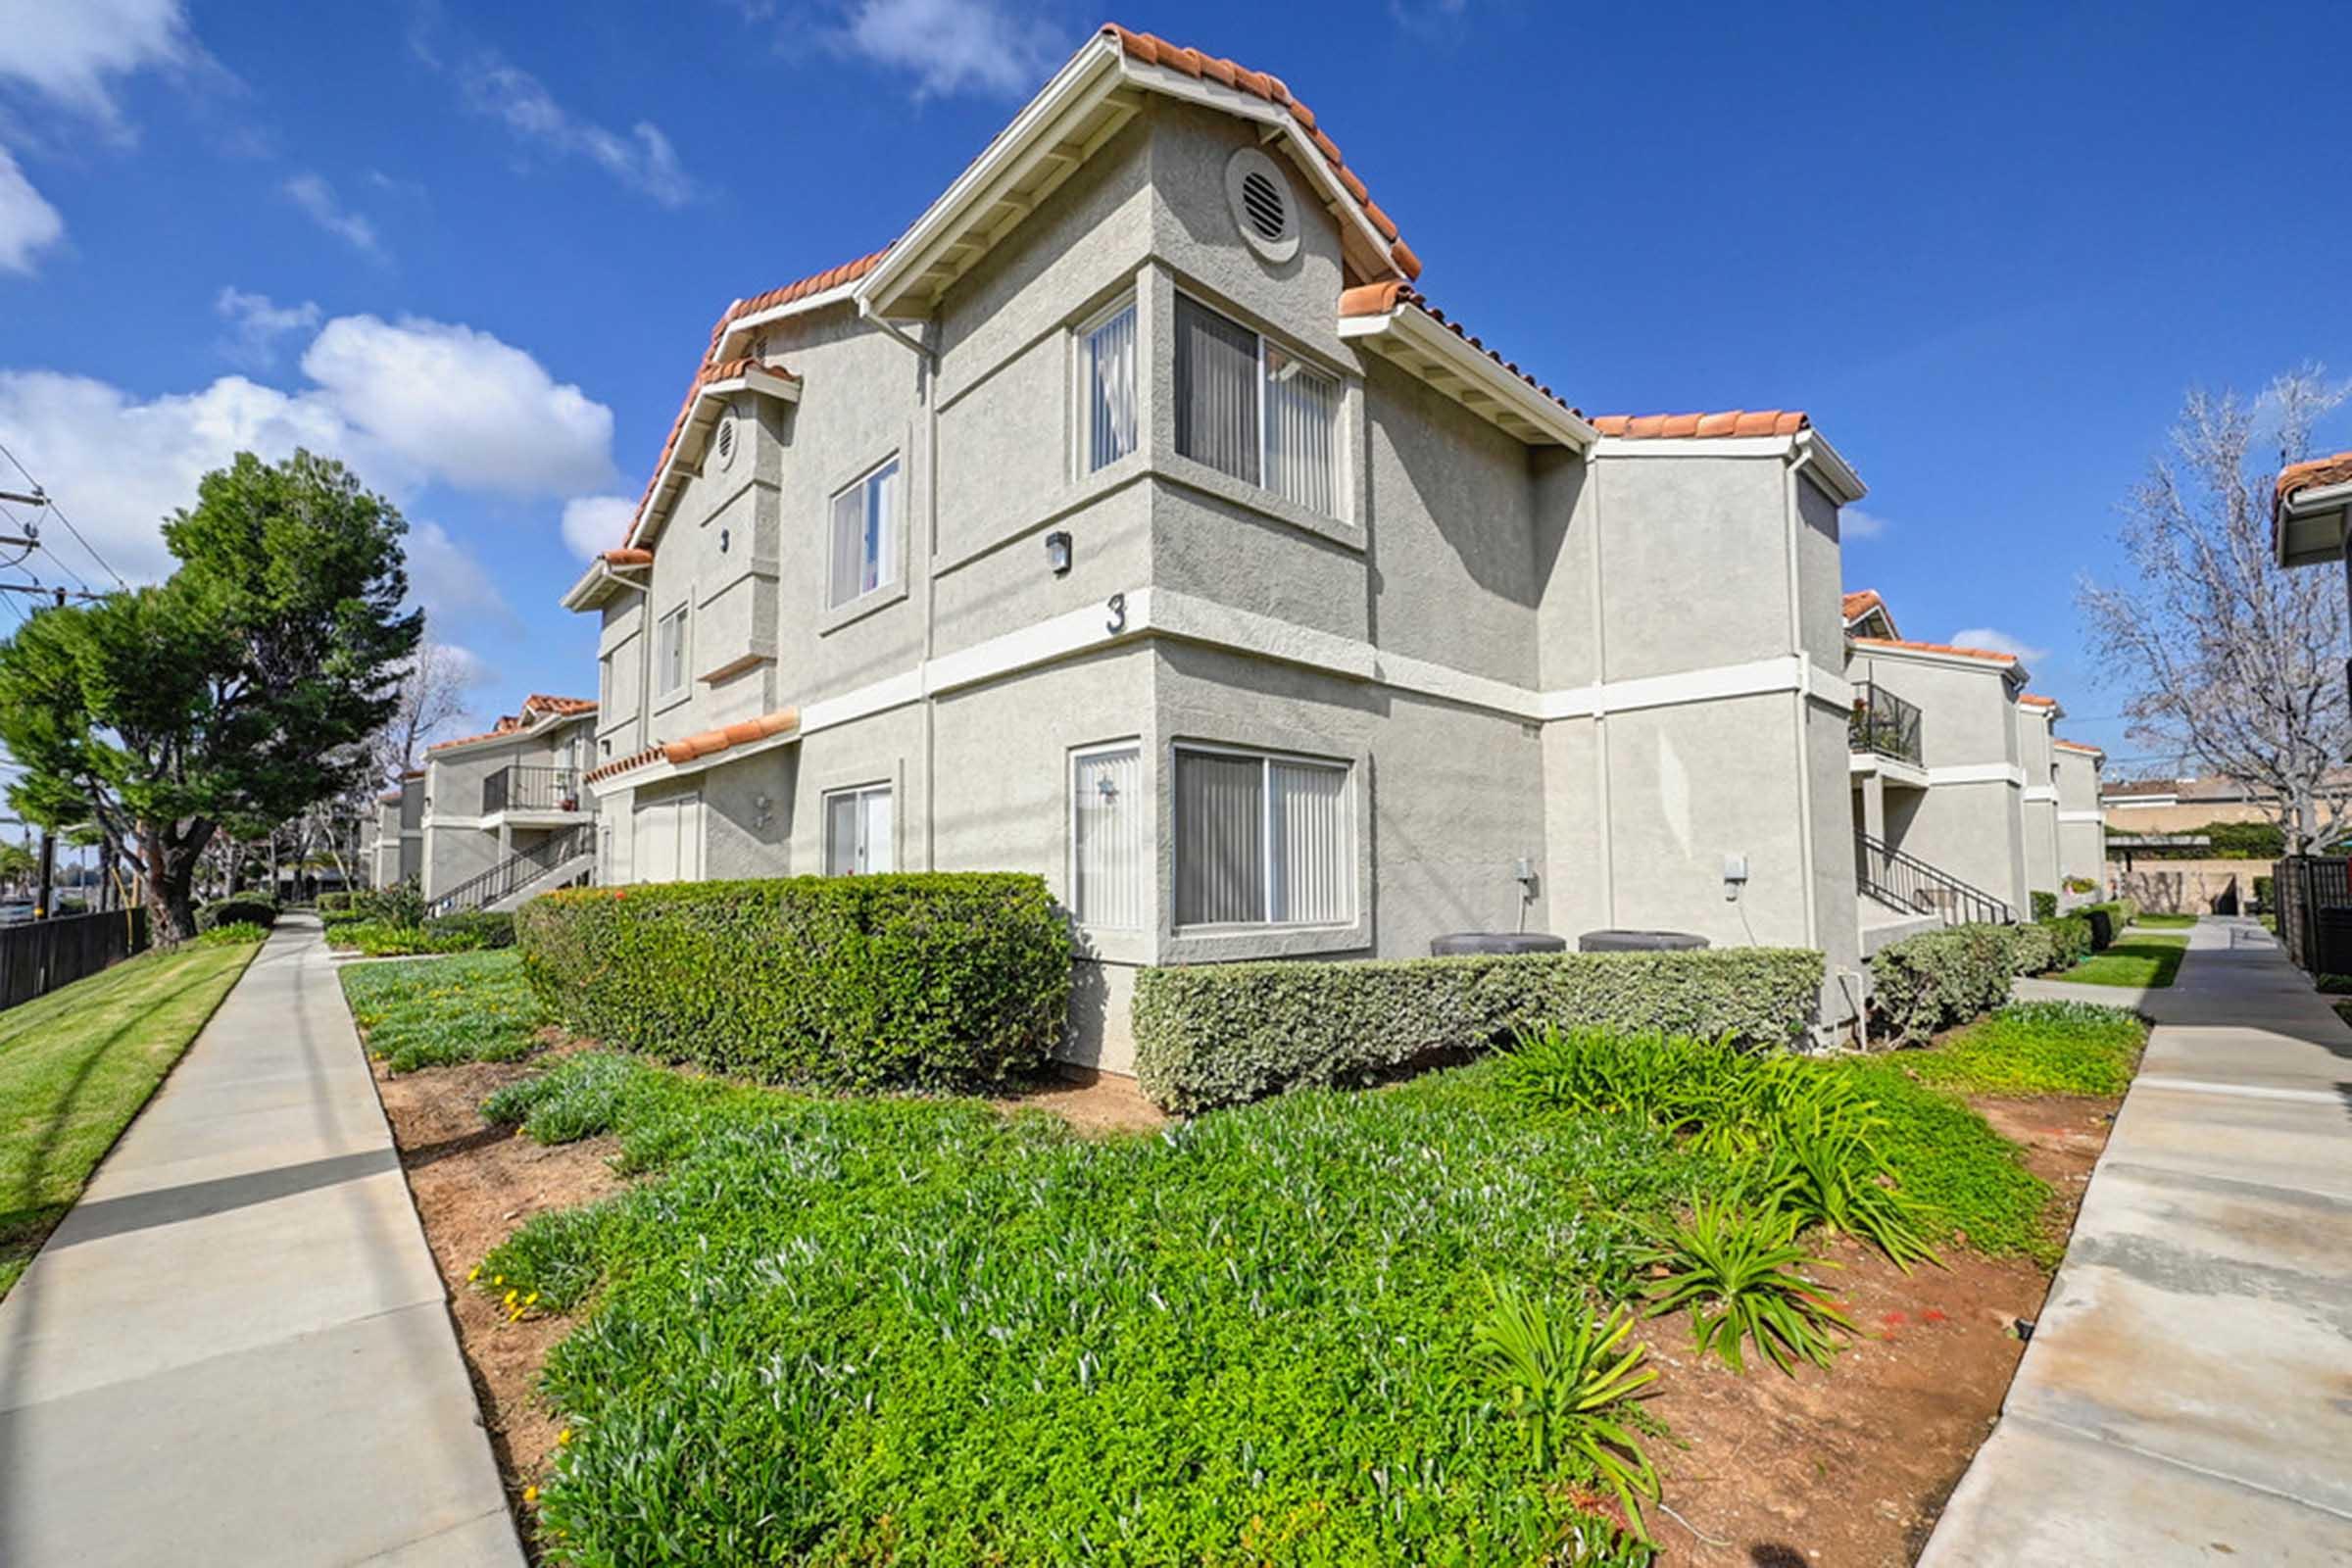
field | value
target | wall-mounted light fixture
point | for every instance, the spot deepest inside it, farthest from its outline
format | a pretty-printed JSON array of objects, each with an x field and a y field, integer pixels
[{"x": 1057, "y": 552}]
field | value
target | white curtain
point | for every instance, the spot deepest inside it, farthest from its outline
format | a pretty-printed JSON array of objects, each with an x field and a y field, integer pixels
[
  {"x": 1108, "y": 833},
  {"x": 881, "y": 537},
  {"x": 1110, "y": 390}
]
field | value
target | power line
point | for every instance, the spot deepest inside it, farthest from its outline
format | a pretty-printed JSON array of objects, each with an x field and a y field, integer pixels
[{"x": 60, "y": 513}]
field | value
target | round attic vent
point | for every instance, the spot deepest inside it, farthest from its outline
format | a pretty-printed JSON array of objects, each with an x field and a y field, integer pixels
[
  {"x": 1264, "y": 209},
  {"x": 726, "y": 440}
]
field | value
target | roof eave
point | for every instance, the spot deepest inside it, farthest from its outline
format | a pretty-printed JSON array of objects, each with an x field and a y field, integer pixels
[
  {"x": 2310, "y": 525},
  {"x": 1476, "y": 382},
  {"x": 744, "y": 327},
  {"x": 681, "y": 466}
]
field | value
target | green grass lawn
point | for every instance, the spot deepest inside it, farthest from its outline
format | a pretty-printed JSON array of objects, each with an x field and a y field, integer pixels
[
  {"x": 2144, "y": 960},
  {"x": 2037, "y": 1048},
  {"x": 855, "y": 1331},
  {"x": 75, "y": 1066},
  {"x": 473, "y": 1007},
  {"x": 2165, "y": 923}
]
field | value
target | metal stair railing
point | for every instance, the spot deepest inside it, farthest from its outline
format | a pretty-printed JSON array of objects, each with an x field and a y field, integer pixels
[
  {"x": 480, "y": 892},
  {"x": 1910, "y": 883}
]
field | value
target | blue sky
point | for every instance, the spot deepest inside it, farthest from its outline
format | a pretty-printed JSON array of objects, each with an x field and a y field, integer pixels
[{"x": 476, "y": 250}]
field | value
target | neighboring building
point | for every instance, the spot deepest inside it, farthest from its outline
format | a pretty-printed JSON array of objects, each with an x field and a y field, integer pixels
[
  {"x": 2157, "y": 805},
  {"x": 398, "y": 852},
  {"x": 513, "y": 791},
  {"x": 2082, "y": 824},
  {"x": 1132, "y": 520}
]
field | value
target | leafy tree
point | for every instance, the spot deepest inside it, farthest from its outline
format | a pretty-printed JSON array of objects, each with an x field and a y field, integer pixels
[{"x": 231, "y": 696}]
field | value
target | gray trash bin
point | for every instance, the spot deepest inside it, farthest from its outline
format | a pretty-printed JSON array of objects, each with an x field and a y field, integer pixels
[
  {"x": 1456, "y": 943},
  {"x": 1638, "y": 942}
]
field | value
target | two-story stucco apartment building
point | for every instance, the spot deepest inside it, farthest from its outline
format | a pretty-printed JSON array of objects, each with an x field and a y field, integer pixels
[
  {"x": 1959, "y": 777},
  {"x": 516, "y": 788},
  {"x": 1132, "y": 519}
]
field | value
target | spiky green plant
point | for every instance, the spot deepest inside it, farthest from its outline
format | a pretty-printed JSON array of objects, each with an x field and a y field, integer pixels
[
  {"x": 1735, "y": 1267},
  {"x": 1820, "y": 1169},
  {"x": 1565, "y": 1377}
]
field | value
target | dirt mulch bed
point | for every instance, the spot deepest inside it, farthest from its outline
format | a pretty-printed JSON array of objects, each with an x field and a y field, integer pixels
[{"x": 1851, "y": 1467}]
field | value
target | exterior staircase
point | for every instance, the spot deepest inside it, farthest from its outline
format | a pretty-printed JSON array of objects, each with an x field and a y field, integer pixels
[
  {"x": 562, "y": 858},
  {"x": 1903, "y": 894}
]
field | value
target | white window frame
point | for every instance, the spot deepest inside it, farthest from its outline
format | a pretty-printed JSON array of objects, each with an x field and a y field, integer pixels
[
  {"x": 664, "y": 689},
  {"x": 1082, "y": 392},
  {"x": 1134, "y": 746},
  {"x": 1266, "y": 758},
  {"x": 1338, "y": 511},
  {"x": 886, "y": 788},
  {"x": 885, "y": 531}
]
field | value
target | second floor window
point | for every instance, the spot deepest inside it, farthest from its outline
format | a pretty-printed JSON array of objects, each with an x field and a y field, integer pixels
[
  {"x": 1107, "y": 388},
  {"x": 669, "y": 653},
  {"x": 865, "y": 553},
  {"x": 1247, "y": 409}
]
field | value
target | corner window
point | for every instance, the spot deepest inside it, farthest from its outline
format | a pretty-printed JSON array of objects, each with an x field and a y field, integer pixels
[
  {"x": 1109, "y": 865},
  {"x": 865, "y": 535},
  {"x": 670, "y": 651},
  {"x": 1262, "y": 840},
  {"x": 1249, "y": 408},
  {"x": 1107, "y": 388},
  {"x": 858, "y": 832}
]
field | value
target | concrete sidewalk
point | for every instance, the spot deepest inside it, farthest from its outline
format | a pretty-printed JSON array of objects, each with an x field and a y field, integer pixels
[
  {"x": 235, "y": 1350},
  {"x": 2188, "y": 1395}
]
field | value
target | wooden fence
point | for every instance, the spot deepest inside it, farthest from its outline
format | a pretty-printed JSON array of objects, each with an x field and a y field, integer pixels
[
  {"x": 2305, "y": 887},
  {"x": 39, "y": 955}
]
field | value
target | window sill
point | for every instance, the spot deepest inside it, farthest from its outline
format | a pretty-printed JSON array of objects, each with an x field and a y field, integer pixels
[
  {"x": 857, "y": 609},
  {"x": 1226, "y": 944},
  {"x": 677, "y": 698}
]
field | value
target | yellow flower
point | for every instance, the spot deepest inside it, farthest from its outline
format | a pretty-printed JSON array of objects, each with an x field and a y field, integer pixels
[
  {"x": 528, "y": 1299},
  {"x": 563, "y": 1438},
  {"x": 530, "y": 1494},
  {"x": 473, "y": 1273},
  {"x": 499, "y": 1280}
]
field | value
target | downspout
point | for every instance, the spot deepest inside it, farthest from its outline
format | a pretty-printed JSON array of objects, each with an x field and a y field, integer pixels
[
  {"x": 927, "y": 359},
  {"x": 1803, "y": 456}
]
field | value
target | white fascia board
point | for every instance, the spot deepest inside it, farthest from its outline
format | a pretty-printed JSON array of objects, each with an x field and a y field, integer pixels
[
  {"x": 1088, "y": 74},
  {"x": 599, "y": 584},
  {"x": 1410, "y": 324},
  {"x": 1830, "y": 469},
  {"x": 842, "y": 294},
  {"x": 513, "y": 737},
  {"x": 2311, "y": 525},
  {"x": 1930, "y": 656}
]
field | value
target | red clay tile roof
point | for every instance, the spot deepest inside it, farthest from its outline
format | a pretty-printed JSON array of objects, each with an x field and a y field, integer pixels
[
  {"x": 534, "y": 705},
  {"x": 703, "y": 743},
  {"x": 627, "y": 557},
  {"x": 1156, "y": 51},
  {"x": 1379, "y": 298},
  {"x": 1861, "y": 602},
  {"x": 2036, "y": 700},
  {"x": 2078, "y": 746},
  {"x": 1937, "y": 648},
  {"x": 1734, "y": 421},
  {"x": 2315, "y": 474},
  {"x": 832, "y": 277},
  {"x": 724, "y": 371}
]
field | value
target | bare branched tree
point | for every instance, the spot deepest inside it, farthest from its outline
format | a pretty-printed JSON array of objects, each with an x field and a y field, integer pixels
[
  {"x": 432, "y": 699},
  {"x": 2231, "y": 664}
]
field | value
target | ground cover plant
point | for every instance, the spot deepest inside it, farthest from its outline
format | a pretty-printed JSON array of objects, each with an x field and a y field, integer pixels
[
  {"x": 2165, "y": 923},
  {"x": 76, "y": 1064},
  {"x": 473, "y": 1007},
  {"x": 2037, "y": 1047},
  {"x": 2146, "y": 961},
  {"x": 837, "y": 1331}
]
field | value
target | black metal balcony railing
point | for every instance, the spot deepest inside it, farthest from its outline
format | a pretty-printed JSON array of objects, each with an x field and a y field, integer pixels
[
  {"x": 1884, "y": 723},
  {"x": 531, "y": 789},
  {"x": 1908, "y": 882}
]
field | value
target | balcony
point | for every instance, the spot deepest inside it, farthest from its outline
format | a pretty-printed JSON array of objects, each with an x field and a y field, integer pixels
[
  {"x": 531, "y": 789},
  {"x": 1884, "y": 725}
]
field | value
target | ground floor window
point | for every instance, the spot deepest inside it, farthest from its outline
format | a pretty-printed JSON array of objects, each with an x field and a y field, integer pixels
[
  {"x": 1262, "y": 840},
  {"x": 1109, "y": 865},
  {"x": 858, "y": 832}
]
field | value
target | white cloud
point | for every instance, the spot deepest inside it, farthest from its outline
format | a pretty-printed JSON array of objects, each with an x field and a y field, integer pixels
[
  {"x": 69, "y": 50},
  {"x": 316, "y": 197},
  {"x": 452, "y": 586},
  {"x": 953, "y": 46},
  {"x": 593, "y": 525},
  {"x": 642, "y": 159},
  {"x": 28, "y": 222},
  {"x": 480, "y": 414},
  {"x": 258, "y": 322},
  {"x": 404, "y": 404},
  {"x": 2000, "y": 642},
  {"x": 1855, "y": 523}
]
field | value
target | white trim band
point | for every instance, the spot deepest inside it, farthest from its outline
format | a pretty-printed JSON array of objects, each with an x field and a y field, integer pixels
[
  {"x": 1977, "y": 773},
  {"x": 2082, "y": 816}
]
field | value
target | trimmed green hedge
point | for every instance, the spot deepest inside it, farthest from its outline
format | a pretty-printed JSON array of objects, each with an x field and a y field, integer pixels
[
  {"x": 238, "y": 908},
  {"x": 1924, "y": 983},
  {"x": 926, "y": 980},
  {"x": 2046, "y": 906},
  {"x": 483, "y": 928},
  {"x": 1208, "y": 1034},
  {"x": 2070, "y": 935}
]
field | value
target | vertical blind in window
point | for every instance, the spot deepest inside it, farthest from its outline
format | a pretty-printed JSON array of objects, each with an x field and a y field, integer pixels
[
  {"x": 1106, "y": 833},
  {"x": 1302, "y": 407},
  {"x": 864, "y": 543},
  {"x": 1216, "y": 391},
  {"x": 1262, "y": 841},
  {"x": 1106, "y": 366}
]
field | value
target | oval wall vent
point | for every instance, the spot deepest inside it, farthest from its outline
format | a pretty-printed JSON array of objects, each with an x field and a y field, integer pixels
[{"x": 1264, "y": 209}]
